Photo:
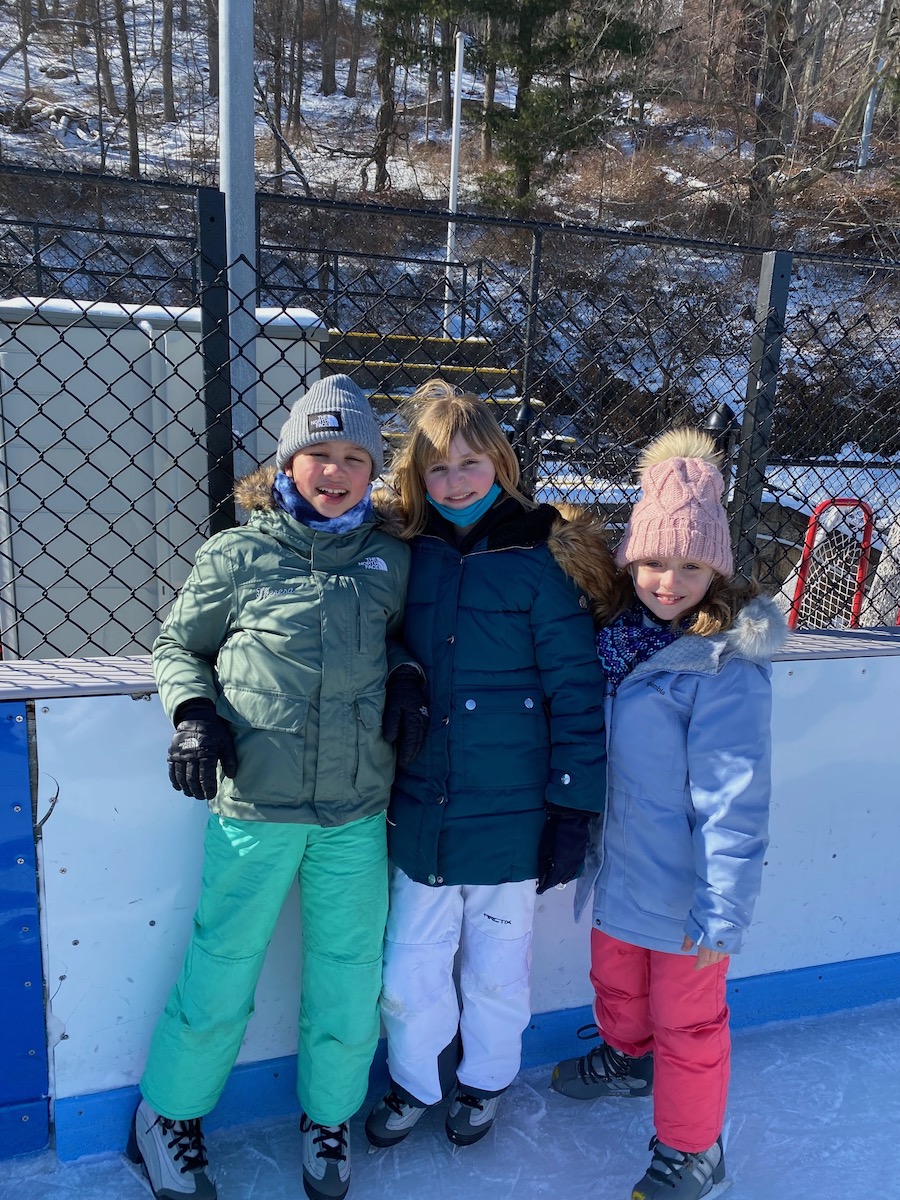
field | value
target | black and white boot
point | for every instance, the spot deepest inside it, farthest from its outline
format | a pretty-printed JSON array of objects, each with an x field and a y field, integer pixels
[
  {"x": 682, "y": 1175},
  {"x": 470, "y": 1116},
  {"x": 392, "y": 1119},
  {"x": 603, "y": 1071},
  {"x": 326, "y": 1159},
  {"x": 171, "y": 1154}
]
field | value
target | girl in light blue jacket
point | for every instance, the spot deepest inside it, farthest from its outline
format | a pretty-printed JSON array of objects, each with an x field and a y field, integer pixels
[{"x": 676, "y": 868}]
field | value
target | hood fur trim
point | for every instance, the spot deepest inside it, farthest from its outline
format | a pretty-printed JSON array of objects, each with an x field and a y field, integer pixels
[
  {"x": 759, "y": 630},
  {"x": 579, "y": 543},
  {"x": 254, "y": 494},
  {"x": 254, "y": 491},
  {"x": 680, "y": 443}
]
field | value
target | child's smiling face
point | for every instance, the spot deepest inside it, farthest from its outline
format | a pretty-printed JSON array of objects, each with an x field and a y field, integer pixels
[
  {"x": 462, "y": 478},
  {"x": 670, "y": 587},
  {"x": 332, "y": 476}
]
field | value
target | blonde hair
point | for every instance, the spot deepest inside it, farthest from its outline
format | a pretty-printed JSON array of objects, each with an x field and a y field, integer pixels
[
  {"x": 715, "y": 613},
  {"x": 436, "y": 414}
]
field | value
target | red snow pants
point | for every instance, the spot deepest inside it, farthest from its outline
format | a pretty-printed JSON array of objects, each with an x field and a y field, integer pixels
[{"x": 650, "y": 1000}]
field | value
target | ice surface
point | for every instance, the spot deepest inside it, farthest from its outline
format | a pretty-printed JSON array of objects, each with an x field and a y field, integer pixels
[{"x": 813, "y": 1115}]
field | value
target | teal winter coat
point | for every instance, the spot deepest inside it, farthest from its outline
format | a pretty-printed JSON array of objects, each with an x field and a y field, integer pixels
[
  {"x": 506, "y": 641},
  {"x": 286, "y": 629}
]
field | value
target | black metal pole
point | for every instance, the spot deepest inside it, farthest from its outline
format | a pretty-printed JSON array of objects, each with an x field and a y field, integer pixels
[
  {"x": 214, "y": 346},
  {"x": 525, "y": 415},
  {"x": 759, "y": 405}
]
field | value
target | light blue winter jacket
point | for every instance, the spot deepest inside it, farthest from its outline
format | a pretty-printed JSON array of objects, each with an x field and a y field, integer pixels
[{"x": 689, "y": 747}]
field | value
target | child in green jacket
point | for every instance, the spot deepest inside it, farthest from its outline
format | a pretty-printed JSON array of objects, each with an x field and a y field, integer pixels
[{"x": 274, "y": 666}]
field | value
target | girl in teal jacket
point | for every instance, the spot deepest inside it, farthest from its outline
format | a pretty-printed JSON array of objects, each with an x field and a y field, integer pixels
[
  {"x": 498, "y": 803},
  {"x": 273, "y": 665}
]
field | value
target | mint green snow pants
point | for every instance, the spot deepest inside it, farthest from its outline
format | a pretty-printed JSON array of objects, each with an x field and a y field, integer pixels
[{"x": 247, "y": 870}]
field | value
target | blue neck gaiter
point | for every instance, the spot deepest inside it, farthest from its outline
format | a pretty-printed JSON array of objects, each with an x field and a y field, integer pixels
[
  {"x": 289, "y": 500},
  {"x": 472, "y": 512}
]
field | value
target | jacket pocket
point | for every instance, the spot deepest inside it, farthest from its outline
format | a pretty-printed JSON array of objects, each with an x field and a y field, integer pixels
[
  {"x": 374, "y": 756},
  {"x": 658, "y": 854},
  {"x": 269, "y": 737},
  {"x": 500, "y": 739}
]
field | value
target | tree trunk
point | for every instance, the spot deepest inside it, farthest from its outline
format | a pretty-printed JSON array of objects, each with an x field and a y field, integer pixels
[
  {"x": 82, "y": 23},
  {"x": 134, "y": 158},
  {"x": 355, "y": 40},
  {"x": 797, "y": 52},
  {"x": 446, "y": 60},
  {"x": 106, "y": 87},
  {"x": 384, "y": 121},
  {"x": 165, "y": 52},
  {"x": 525, "y": 48},
  {"x": 212, "y": 44},
  {"x": 278, "y": 39},
  {"x": 768, "y": 146},
  {"x": 295, "y": 98},
  {"x": 328, "y": 10},
  {"x": 490, "y": 90},
  {"x": 24, "y": 20}
]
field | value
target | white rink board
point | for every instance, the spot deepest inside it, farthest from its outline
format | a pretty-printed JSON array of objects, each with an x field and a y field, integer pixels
[{"x": 121, "y": 855}]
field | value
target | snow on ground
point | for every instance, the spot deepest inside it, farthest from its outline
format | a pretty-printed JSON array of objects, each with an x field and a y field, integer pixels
[{"x": 813, "y": 1115}]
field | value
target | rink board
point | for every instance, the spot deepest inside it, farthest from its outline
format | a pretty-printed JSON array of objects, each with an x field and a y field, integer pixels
[{"x": 118, "y": 866}]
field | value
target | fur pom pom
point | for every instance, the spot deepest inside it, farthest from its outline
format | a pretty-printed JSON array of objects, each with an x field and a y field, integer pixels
[{"x": 680, "y": 443}]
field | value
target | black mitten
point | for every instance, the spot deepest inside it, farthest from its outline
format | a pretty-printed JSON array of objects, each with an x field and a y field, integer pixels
[
  {"x": 563, "y": 845},
  {"x": 202, "y": 740},
  {"x": 405, "y": 721}
]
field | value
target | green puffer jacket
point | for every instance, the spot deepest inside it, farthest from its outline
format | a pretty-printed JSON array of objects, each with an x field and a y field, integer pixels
[{"x": 287, "y": 631}]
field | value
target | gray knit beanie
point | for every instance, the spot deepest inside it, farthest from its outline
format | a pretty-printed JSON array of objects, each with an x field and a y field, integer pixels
[{"x": 333, "y": 409}]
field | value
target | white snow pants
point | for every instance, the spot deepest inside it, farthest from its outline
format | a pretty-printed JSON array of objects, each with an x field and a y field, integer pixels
[{"x": 419, "y": 1005}]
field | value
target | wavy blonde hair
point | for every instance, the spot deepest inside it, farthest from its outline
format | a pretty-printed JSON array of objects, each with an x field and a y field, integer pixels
[
  {"x": 436, "y": 414},
  {"x": 715, "y": 613}
]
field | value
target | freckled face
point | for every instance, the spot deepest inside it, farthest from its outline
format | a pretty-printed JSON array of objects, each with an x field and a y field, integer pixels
[
  {"x": 670, "y": 587},
  {"x": 332, "y": 476},
  {"x": 462, "y": 478}
]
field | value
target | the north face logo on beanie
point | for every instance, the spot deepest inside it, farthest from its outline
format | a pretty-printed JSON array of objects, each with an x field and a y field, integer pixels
[{"x": 325, "y": 422}]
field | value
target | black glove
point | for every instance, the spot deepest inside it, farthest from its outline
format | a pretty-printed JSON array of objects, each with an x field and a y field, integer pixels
[
  {"x": 563, "y": 845},
  {"x": 202, "y": 740},
  {"x": 405, "y": 721}
]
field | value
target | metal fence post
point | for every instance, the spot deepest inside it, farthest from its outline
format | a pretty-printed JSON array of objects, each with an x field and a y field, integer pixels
[
  {"x": 525, "y": 415},
  {"x": 759, "y": 405},
  {"x": 214, "y": 345}
]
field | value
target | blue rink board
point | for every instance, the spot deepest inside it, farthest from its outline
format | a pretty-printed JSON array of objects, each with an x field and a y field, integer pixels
[
  {"x": 24, "y": 1085},
  {"x": 98, "y": 1123}
]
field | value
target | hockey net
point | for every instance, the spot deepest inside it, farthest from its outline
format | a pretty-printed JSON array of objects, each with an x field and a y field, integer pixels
[{"x": 826, "y": 590}]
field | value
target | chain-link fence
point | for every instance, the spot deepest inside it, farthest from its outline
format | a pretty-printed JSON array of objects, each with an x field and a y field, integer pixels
[{"x": 126, "y": 411}]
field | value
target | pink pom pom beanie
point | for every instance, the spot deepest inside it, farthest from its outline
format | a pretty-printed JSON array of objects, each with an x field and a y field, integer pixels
[{"x": 680, "y": 512}]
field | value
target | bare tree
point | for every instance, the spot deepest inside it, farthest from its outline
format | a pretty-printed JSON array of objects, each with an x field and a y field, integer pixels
[
  {"x": 212, "y": 43},
  {"x": 490, "y": 88},
  {"x": 355, "y": 42},
  {"x": 329, "y": 11},
  {"x": 134, "y": 159},
  {"x": 165, "y": 59}
]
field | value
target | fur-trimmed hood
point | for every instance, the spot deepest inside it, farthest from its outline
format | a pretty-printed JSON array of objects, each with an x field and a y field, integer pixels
[
  {"x": 254, "y": 494},
  {"x": 579, "y": 543},
  {"x": 758, "y": 632}
]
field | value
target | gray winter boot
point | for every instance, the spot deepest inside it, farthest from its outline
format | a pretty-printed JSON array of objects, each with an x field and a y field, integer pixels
[
  {"x": 326, "y": 1159},
  {"x": 679, "y": 1175},
  {"x": 171, "y": 1154},
  {"x": 603, "y": 1071},
  {"x": 392, "y": 1119},
  {"x": 470, "y": 1117}
]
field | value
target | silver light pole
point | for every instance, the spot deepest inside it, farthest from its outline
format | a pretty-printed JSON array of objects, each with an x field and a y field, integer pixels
[
  {"x": 454, "y": 182},
  {"x": 237, "y": 179}
]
